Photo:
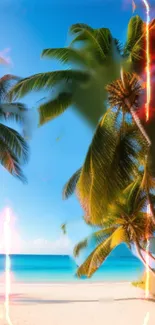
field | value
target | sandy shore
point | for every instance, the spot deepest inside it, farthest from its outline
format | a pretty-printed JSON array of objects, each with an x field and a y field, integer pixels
[{"x": 78, "y": 304}]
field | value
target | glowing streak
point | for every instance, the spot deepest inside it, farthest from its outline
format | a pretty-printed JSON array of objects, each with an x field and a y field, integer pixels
[
  {"x": 148, "y": 74},
  {"x": 147, "y": 257},
  {"x": 146, "y": 319},
  {"x": 148, "y": 98},
  {"x": 7, "y": 264}
]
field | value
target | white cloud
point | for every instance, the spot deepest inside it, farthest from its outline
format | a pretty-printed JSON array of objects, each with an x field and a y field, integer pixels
[{"x": 61, "y": 246}]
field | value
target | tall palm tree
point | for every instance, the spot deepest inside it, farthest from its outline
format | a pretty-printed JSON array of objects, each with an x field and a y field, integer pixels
[
  {"x": 126, "y": 222},
  {"x": 124, "y": 94},
  {"x": 94, "y": 64},
  {"x": 116, "y": 154},
  {"x": 13, "y": 148}
]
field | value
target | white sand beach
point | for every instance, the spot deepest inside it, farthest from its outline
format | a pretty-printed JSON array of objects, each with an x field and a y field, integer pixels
[{"x": 74, "y": 304}]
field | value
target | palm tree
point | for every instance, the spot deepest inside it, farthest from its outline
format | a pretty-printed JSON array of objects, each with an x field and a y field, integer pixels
[
  {"x": 94, "y": 64},
  {"x": 81, "y": 87},
  {"x": 115, "y": 183},
  {"x": 124, "y": 94},
  {"x": 126, "y": 222},
  {"x": 116, "y": 154},
  {"x": 13, "y": 148}
]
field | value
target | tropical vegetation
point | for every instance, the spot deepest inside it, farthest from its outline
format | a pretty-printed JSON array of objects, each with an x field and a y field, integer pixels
[
  {"x": 115, "y": 184},
  {"x": 94, "y": 58},
  {"x": 125, "y": 222},
  {"x": 13, "y": 147}
]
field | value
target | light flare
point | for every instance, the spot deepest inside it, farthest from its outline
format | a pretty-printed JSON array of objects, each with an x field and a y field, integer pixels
[
  {"x": 7, "y": 243},
  {"x": 146, "y": 319},
  {"x": 148, "y": 61},
  {"x": 148, "y": 99},
  {"x": 147, "y": 255}
]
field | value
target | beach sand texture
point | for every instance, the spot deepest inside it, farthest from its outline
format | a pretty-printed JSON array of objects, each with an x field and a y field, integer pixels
[{"x": 78, "y": 304}]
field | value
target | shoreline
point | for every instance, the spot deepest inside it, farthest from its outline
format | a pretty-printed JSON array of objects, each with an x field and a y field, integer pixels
[{"x": 55, "y": 283}]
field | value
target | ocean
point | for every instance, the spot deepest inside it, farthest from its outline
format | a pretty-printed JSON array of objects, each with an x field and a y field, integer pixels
[{"x": 57, "y": 268}]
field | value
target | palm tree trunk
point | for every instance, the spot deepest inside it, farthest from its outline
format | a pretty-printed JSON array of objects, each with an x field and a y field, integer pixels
[
  {"x": 138, "y": 122},
  {"x": 138, "y": 248},
  {"x": 151, "y": 207},
  {"x": 150, "y": 255},
  {"x": 143, "y": 132}
]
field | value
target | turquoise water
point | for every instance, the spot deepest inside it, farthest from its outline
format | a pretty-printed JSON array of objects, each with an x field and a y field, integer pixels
[{"x": 49, "y": 268}]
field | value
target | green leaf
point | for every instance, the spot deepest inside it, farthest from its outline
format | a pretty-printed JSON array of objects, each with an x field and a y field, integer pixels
[
  {"x": 53, "y": 108},
  {"x": 5, "y": 83},
  {"x": 135, "y": 34},
  {"x": 12, "y": 111},
  {"x": 111, "y": 165},
  {"x": 77, "y": 28},
  {"x": 97, "y": 236},
  {"x": 7, "y": 80},
  {"x": 89, "y": 100},
  {"x": 70, "y": 186},
  {"x": 84, "y": 185},
  {"x": 98, "y": 256},
  {"x": 99, "y": 39},
  {"x": 9, "y": 160},
  {"x": 63, "y": 228},
  {"x": 79, "y": 247},
  {"x": 66, "y": 55},
  {"x": 46, "y": 81},
  {"x": 14, "y": 142}
]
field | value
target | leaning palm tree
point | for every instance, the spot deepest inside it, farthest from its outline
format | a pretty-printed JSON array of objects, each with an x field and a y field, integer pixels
[
  {"x": 126, "y": 222},
  {"x": 94, "y": 64},
  {"x": 116, "y": 154},
  {"x": 124, "y": 94},
  {"x": 13, "y": 148}
]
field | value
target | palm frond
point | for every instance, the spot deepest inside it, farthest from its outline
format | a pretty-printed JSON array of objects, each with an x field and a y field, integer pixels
[
  {"x": 84, "y": 185},
  {"x": 110, "y": 165},
  {"x": 134, "y": 49},
  {"x": 63, "y": 228},
  {"x": 10, "y": 162},
  {"x": 66, "y": 55},
  {"x": 46, "y": 81},
  {"x": 77, "y": 28},
  {"x": 132, "y": 194},
  {"x": 134, "y": 43},
  {"x": 6, "y": 82},
  {"x": 99, "y": 40},
  {"x": 14, "y": 142},
  {"x": 90, "y": 100},
  {"x": 70, "y": 186},
  {"x": 12, "y": 111},
  {"x": 98, "y": 256},
  {"x": 54, "y": 107},
  {"x": 79, "y": 247},
  {"x": 119, "y": 45},
  {"x": 96, "y": 237}
]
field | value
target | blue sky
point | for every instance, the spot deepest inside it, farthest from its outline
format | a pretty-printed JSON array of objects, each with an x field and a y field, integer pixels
[{"x": 27, "y": 27}]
